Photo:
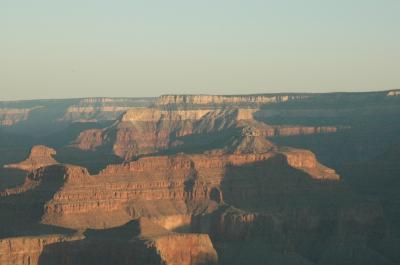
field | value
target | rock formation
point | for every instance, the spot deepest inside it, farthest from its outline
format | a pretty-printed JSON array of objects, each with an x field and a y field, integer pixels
[
  {"x": 39, "y": 156},
  {"x": 147, "y": 186},
  {"x": 204, "y": 180},
  {"x": 149, "y": 131}
]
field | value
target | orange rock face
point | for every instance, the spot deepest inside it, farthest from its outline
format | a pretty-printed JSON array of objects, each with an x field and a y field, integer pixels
[
  {"x": 151, "y": 130},
  {"x": 305, "y": 160},
  {"x": 40, "y": 156},
  {"x": 90, "y": 139},
  {"x": 186, "y": 249},
  {"x": 144, "y": 187}
]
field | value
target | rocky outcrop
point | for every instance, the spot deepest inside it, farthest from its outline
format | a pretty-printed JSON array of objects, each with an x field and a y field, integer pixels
[
  {"x": 90, "y": 139},
  {"x": 48, "y": 179},
  {"x": 147, "y": 131},
  {"x": 166, "y": 186},
  {"x": 39, "y": 156},
  {"x": 306, "y": 161},
  {"x": 186, "y": 249}
]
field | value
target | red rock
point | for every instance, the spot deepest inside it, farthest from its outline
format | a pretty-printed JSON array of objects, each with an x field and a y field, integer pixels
[{"x": 40, "y": 156}]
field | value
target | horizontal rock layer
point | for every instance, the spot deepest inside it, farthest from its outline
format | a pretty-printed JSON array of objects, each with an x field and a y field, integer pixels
[{"x": 142, "y": 184}]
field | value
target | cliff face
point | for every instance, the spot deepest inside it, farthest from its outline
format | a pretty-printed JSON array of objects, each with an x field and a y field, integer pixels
[
  {"x": 90, "y": 139},
  {"x": 146, "y": 186},
  {"x": 306, "y": 161},
  {"x": 146, "y": 131},
  {"x": 173, "y": 249}
]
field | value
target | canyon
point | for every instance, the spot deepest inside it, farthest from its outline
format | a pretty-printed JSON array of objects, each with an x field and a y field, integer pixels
[{"x": 201, "y": 179}]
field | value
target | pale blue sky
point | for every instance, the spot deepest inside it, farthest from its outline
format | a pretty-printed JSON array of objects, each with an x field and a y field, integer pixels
[{"x": 78, "y": 48}]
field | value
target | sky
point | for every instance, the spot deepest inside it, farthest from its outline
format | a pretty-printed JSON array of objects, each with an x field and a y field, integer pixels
[{"x": 86, "y": 48}]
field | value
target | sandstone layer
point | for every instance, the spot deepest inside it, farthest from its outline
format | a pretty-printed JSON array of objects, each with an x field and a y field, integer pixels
[
  {"x": 149, "y": 131},
  {"x": 167, "y": 185}
]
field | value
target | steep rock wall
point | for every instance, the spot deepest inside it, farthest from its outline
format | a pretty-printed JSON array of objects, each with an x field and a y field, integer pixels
[{"x": 145, "y": 185}]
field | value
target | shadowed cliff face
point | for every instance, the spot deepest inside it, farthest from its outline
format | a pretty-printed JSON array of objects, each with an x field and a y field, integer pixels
[
  {"x": 137, "y": 242},
  {"x": 371, "y": 121},
  {"x": 21, "y": 208},
  {"x": 274, "y": 183},
  {"x": 263, "y": 179}
]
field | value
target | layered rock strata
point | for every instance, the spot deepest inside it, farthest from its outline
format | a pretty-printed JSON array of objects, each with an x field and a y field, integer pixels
[
  {"x": 147, "y": 131},
  {"x": 165, "y": 185}
]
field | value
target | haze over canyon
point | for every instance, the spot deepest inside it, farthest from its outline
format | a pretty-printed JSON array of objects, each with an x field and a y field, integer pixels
[{"x": 285, "y": 178}]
